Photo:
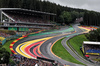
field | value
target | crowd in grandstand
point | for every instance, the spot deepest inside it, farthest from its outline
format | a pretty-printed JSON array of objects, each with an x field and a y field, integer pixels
[
  {"x": 39, "y": 22},
  {"x": 22, "y": 61},
  {"x": 27, "y": 18},
  {"x": 4, "y": 34},
  {"x": 92, "y": 48}
]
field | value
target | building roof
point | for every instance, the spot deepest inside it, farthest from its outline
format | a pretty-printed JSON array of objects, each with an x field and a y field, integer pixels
[
  {"x": 91, "y": 43},
  {"x": 26, "y": 10}
]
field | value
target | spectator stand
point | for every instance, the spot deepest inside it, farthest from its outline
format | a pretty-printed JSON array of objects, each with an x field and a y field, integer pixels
[
  {"x": 22, "y": 18},
  {"x": 22, "y": 61},
  {"x": 91, "y": 51}
]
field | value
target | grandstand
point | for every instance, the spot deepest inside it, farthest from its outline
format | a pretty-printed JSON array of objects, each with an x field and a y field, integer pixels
[
  {"x": 22, "y": 61},
  {"x": 91, "y": 48},
  {"x": 24, "y": 20}
]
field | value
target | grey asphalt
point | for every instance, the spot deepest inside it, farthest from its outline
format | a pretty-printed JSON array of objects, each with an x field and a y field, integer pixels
[
  {"x": 45, "y": 47},
  {"x": 35, "y": 37},
  {"x": 31, "y": 49},
  {"x": 75, "y": 54}
]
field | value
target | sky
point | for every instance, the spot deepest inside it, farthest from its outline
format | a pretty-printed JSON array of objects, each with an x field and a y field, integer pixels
[{"x": 83, "y": 4}]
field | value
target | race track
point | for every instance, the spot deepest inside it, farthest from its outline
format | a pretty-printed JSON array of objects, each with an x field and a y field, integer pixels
[{"x": 39, "y": 45}]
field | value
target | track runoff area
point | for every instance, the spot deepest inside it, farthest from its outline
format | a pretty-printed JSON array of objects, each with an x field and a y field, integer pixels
[{"x": 31, "y": 49}]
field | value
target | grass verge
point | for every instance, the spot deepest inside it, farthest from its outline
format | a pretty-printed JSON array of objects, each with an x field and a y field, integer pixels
[
  {"x": 7, "y": 44},
  {"x": 76, "y": 43},
  {"x": 60, "y": 51}
]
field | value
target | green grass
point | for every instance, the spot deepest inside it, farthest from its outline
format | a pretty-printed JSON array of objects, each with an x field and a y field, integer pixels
[
  {"x": 7, "y": 44},
  {"x": 76, "y": 43},
  {"x": 60, "y": 51}
]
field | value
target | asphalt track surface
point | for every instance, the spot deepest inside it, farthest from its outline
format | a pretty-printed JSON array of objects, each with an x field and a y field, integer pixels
[{"x": 45, "y": 47}]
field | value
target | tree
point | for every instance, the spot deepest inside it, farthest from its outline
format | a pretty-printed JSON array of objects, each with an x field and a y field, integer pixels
[
  {"x": 46, "y": 6},
  {"x": 66, "y": 17},
  {"x": 86, "y": 18},
  {"x": 91, "y": 18},
  {"x": 81, "y": 14},
  {"x": 74, "y": 15},
  {"x": 4, "y": 56},
  {"x": 94, "y": 35}
]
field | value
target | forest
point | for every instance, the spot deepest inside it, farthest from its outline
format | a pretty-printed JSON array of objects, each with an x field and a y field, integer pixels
[
  {"x": 64, "y": 14},
  {"x": 91, "y": 18}
]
